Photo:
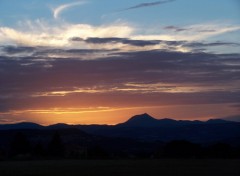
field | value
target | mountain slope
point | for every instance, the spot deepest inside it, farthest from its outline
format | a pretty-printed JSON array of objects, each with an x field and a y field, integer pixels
[
  {"x": 145, "y": 120},
  {"x": 140, "y": 120},
  {"x": 23, "y": 125},
  {"x": 145, "y": 128}
]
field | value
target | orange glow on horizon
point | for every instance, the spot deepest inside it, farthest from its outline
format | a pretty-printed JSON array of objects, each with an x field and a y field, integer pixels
[{"x": 115, "y": 115}]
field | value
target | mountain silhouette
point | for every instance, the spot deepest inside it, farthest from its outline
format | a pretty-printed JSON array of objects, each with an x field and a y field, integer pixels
[
  {"x": 22, "y": 125},
  {"x": 141, "y": 120},
  {"x": 217, "y": 121},
  {"x": 59, "y": 126},
  {"x": 145, "y": 120},
  {"x": 144, "y": 127}
]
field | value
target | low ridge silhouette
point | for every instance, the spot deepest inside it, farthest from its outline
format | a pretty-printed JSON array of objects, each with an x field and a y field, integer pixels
[
  {"x": 141, "y": 136},
  {"x": 147, "y": 128}
]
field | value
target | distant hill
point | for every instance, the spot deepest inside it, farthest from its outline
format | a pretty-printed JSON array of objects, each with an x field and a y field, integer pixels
[
  {"x": 140, "y": 120},
  {"x": 23, "y": 125},
  {"x": 217, "y": 121},
  {"x": 60, "y": 126},
  {"x": 144, "y": 127},
  {"x": 145, "y": 120}
]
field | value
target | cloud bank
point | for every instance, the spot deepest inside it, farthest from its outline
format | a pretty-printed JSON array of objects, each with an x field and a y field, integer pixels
[
  {"x": 36, "y": 83},
  {"x": 121, "y": 36}
]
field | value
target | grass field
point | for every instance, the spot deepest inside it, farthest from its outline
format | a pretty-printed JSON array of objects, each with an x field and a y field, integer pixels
[{"x": 121, "y": 168}]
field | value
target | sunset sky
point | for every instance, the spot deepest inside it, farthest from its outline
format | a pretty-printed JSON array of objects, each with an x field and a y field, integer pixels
[{"x": 103, "y": 61}]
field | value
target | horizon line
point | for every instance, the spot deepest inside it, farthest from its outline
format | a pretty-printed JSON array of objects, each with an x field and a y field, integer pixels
[{"x": 114, "y": 124}]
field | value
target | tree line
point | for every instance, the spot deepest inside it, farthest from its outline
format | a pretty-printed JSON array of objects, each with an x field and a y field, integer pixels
[{"x": 22, "y": 149}]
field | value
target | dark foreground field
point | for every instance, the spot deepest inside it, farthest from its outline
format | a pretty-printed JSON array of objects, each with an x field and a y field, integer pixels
[{"x": 121, "y": 168}]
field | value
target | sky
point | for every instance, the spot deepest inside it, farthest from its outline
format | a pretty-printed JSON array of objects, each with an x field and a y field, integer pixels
[{"x": 103, "y": 61}]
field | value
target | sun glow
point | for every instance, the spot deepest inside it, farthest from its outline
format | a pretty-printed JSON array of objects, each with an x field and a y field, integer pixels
[{"x": 115, "y": 115}]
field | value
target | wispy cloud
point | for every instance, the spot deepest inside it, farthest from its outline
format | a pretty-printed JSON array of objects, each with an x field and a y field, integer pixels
[
  {"x": 58, "y": 10},
  {"x": 147, "y": 4},
  {"x": 194, "y": 32},
  {"x": 44, "y": 34},
  {"x": 175, "y": 28},
  {"x": 116, "y": 36}
]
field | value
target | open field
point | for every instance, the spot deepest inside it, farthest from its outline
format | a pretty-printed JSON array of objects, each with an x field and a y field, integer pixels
[{"x": 121, "y": 168}]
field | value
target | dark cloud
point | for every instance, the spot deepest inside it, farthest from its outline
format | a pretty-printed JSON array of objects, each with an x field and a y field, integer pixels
[
  {"x": 76, "y": 39},
  {"x": 140, "y": 43},
  {"x": 16, "y": 49},
  {"x": 170, "y": 45},
  {"x": 123, "y": 41},
  {"x": 42, "y": 54},
  {"x": 70, "y": 51},
  {"x": 218, "y": 75},
  {"x": 180, "y": 29},
  {"x": 105, "y": 40},
  {"x": 142, "y": 63},
  {"x": 148, "y": 4},
  {"x": 201, "y": 44},
  {"x": 175, "y": 28}
]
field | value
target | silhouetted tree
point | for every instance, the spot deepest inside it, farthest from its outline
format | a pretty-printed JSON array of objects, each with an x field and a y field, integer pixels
[
  {"x": 159, "y": 153},
  {"x": 38, "y": 150},
  {"x": 3, "y": 154},
  {"x": 97, "y": 152},
  {"x": 219, "y": 150},
  {"x": 20, "y": 145},
  {"x": 181, "y": 149},
  {"x": 237, "y": 152},
  {"x": 56, "y": 146},
  {"x": 76, "y": 152}
]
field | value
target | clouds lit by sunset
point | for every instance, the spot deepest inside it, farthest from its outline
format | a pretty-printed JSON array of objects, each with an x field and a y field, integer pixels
[{"x": 85, "y": 62}]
